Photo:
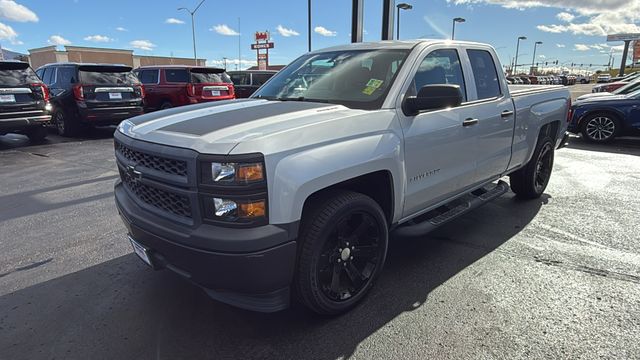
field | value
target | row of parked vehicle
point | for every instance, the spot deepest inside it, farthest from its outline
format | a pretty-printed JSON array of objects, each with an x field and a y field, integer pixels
[
  {"x": 547, "y": 80},
  {"x": 611, "y": 110},
  {"x": 74, "y": 96}
]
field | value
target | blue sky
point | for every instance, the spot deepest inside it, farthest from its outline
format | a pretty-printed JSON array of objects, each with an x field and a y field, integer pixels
[{"x": 571, "y": 30}]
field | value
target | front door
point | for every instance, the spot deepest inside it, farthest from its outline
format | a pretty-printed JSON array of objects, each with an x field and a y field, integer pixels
[{"x": 440, "y": 152}]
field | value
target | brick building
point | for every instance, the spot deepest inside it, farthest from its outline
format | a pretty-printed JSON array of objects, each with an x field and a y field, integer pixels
[{"x": 81, "y": 54}]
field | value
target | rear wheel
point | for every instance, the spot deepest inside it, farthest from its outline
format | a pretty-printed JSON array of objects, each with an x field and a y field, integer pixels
[
  {"x": 37, "y": 134},
  {"x": 343, "y": 248},
  {"x": 66, "y": 125},
  {"x": 531, "y": 181},
  {"x": 600, "y": 128}
]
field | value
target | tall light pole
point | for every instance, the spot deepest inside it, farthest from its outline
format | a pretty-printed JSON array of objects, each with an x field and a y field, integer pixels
[
  {"x": 515, "y": 65},
  {"x": 534, "y": 55},
  {"x": 403, "y": 6},
  {"x": 309, "y": 24},
  {"x": 193, "y": 28},
  {"x": 456, "y": 20}
]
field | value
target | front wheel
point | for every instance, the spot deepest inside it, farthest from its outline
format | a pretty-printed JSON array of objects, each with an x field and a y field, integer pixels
[
  {"x": 531, "y": 181},
  {"x": 343, "y": 245}
]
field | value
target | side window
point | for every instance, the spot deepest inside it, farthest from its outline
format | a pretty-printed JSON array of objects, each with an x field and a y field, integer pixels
[
  {"x": 176, "y": 75},
  {"x": 485, "y": 74},
  {"x": 440, "y": 67},
  {"x": 240, "y": 78},
  {"x": 259, "y": 79},
  {"x": 47, "y": 78},
  {"x": 65, "y": 76},
  {"x": 148, "y": 76},
  {"x": 40, "y": 73}
]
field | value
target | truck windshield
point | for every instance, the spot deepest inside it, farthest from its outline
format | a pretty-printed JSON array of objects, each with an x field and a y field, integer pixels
[{"x": 356, "y": 78}]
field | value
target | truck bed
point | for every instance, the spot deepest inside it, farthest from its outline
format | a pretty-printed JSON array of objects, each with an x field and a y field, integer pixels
[{"x": 519, "y": 90}]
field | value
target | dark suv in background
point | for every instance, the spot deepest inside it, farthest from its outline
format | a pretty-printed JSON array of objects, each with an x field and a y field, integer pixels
[
  {"x": 24, "y": 101},
  {"x": 169, "y": 86},
  {"x": 91, "y": 95},
  {"x": 248, "y": 81}
]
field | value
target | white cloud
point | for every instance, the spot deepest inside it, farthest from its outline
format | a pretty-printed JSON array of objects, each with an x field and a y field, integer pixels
[
  {"x": 173, "y": 21},
  {"x": 595, "y": 17},
  {"x": 556, "y": 29},
  {"x": 142, "y": 45},
  {"x": 120, "y": 28},
  {"x": 565, "y": 16},
  {"x": 98, "y": 38},
  {"x": 324, "y": 31},
  {"x": 561, "y": 45},
  {"x": 7, "y": 33},
  {"x": 10, "y": 10},
  {"x": 58, "y": 40},
  {"x": 581, "y": 47},
  {"x": 223, "y": 29},
  {"x": 286, "y": 32}
]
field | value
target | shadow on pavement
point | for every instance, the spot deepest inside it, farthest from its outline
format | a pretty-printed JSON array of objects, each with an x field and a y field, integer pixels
[
  {"x": 13, "y": 141},
  {"x": 623, "y": 145},
  {"x": 120, "y": 309}
]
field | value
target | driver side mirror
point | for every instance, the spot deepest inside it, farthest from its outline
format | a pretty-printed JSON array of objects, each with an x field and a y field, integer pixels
[{"x": 432, "y": 97}]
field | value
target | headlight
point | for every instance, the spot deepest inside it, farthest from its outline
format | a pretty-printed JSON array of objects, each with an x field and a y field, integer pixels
[
  {"x": 237, "y": 211},
  {"x": 235, "y": 173}
]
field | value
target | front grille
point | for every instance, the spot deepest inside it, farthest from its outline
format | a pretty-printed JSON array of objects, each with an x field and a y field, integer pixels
[
  {"x": 169, "y": 166},
  {"x": 163, "y": 200}
]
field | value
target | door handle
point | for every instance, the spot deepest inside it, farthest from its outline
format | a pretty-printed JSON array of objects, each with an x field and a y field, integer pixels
[
  {"x": 469, "y": 122},
  {"x": 506, "y": 113}
]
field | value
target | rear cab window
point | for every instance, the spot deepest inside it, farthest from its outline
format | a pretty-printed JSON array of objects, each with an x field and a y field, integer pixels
[
  {"x": 240, "y": 78},
  {"x": 16, "y": 74},
  {"x": 259, "y": 79},
  {"x": 484, "y": 74},
  {"x": 107, "y": 75},
  {"x": 209, "y": 75}
]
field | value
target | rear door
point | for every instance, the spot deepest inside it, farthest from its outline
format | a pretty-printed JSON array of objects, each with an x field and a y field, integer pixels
[
  {"x": 22, "y": 93},
  {"x": 495, "y": 113},
  {"x": 150, "y": 79},
  {"x": 109, "y": 86}
]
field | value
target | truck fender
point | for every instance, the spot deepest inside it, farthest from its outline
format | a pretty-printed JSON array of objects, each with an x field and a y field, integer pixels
[{"x": 298, "y": 175}]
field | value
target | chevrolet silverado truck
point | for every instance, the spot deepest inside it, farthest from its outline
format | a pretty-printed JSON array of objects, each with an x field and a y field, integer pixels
[{"x": 292, "y": 193}]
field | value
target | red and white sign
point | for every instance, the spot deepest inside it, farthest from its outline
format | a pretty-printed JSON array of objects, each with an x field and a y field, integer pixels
[
  {"x": 262, "y": 57},
  {"x": 268, "y": 45},
  {"x": 636, "y": 51},
  {"x": 262, "y": 36}
]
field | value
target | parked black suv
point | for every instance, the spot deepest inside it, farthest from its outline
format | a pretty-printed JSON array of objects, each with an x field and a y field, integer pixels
[
  {"x": 91, "y": 94},
  {"x": 24, "y": 101},
  {"x": 247, "y": 82}
]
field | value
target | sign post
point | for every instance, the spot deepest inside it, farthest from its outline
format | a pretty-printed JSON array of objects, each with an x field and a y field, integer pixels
[
  {"x": 627, "y": 38},
  {"x": 262, "y": 43}
]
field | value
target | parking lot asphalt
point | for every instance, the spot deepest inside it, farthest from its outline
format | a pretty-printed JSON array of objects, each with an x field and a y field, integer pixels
[{"x": 557, "y": 277}]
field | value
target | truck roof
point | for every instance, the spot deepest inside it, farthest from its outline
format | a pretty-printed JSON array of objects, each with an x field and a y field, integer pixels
[{"x": 395, "y": 44}]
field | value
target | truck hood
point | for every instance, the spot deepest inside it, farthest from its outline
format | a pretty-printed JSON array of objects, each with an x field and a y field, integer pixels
[
  {"x": 259, "y": 125},
  {"x": 601, "y": 99}
]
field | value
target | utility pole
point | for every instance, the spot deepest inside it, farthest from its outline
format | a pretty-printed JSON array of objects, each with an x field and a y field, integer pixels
[
  {"x": 309, "y": 24},
  {"x": 193, "y": 28}
]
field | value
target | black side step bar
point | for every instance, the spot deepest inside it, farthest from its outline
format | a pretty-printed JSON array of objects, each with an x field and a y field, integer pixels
[{"x": 437, "y": 217}]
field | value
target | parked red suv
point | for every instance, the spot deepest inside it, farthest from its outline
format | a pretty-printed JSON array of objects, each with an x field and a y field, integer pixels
[{"x": 168, "y": 86}]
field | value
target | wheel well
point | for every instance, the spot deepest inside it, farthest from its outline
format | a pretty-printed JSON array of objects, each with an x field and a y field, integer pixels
[
  {"x": 377, "y": 185},
  {"x": 550, "y": 130}
]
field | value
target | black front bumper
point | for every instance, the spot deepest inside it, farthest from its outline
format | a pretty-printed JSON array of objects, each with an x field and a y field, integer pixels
[{"x": 255, "y": 277}]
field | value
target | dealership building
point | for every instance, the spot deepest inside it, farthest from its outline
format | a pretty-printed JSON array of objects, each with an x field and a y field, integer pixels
[{"x": 81, "y": 54}]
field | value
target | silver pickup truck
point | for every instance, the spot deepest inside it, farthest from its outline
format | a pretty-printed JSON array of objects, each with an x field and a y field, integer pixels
[{"x": 293, "y": 192}]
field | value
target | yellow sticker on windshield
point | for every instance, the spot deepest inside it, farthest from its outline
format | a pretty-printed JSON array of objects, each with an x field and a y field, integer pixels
[
  {"x": 368, "y": 90},
  {"x": 374, "y": 83}
]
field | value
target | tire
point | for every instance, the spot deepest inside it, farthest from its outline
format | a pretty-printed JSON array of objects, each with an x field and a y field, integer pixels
[
  {"x": 600, "y": 128},
  {"x": 530, "y": 181},
  {"x": 37, "y": 134},
  {"x": 65, "y": 124},
  {"x": 343, "y": 246},
  {"x": 166, "y": 105}
]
